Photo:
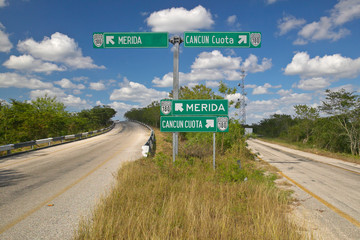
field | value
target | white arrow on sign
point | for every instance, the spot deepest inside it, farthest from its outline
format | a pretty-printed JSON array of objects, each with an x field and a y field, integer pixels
[
  {"x": 109, "y": 39},
  {"x": 209, "y": 123},
  {"x": 243, "y": 39},
  {"x": 179, "y": 107}
]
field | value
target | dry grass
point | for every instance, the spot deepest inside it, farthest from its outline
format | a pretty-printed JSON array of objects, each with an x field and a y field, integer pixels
[
  {"x": 321, "y": 152},
  {"x": 155, "y": 199}
]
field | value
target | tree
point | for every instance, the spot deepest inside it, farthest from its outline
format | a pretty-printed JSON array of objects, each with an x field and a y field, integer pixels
[
  {"x": 345, "y": 108},
  {"x": 307, "y": 117}
]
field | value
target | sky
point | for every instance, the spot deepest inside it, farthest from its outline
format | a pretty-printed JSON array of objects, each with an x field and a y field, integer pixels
[{"x": 308, "y": 46}]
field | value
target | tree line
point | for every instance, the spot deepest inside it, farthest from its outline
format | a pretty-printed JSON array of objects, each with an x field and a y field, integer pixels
[
  {"x": 198, "y": 144},
  {"x": 45, "y": 117},
  {"x": 333, "y": 126}
]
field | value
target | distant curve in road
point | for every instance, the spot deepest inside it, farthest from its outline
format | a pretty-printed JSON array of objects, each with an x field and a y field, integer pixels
[{"x": 43, "y": 194}]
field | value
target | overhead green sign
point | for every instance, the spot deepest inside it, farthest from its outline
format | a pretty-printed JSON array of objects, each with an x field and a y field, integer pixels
[
  {"x": 194, "y": 107},
  {"x": 130, "y": 40},
  {"x": 223, "y": 39},
  {"x": 194, "y": 124}
]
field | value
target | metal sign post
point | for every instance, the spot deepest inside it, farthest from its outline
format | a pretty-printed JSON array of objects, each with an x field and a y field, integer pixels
[
  {"x": 214, "y": 146},
  {"x": 176, "y": 41}
]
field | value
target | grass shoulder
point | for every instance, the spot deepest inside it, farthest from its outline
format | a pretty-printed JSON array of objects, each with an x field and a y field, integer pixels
[
  {"x": 155, "y": 198},
  {"x": 312, "y": 149}
]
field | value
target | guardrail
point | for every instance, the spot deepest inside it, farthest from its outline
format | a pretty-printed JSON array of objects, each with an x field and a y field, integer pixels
[
  {"x": 149, "y": 147},
  {"x": 33, "y": 143}
]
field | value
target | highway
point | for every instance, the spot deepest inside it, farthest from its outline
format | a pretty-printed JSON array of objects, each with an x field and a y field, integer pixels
[
  {"x": 327, "y": 190},
  {"x": 44, "y": 193}
]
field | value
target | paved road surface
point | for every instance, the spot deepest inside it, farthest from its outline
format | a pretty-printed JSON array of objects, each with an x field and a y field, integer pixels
[
  {"x": 43, "y": 194},
  {"x": 335, "y": 214}
]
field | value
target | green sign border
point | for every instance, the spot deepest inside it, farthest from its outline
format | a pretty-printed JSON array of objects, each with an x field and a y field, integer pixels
[
  {"x": 249, "y": 45},
  {"x": 184, "y": 118},
  {"x": 103, "y": 46},
  {"x": 195, "y": 101}
]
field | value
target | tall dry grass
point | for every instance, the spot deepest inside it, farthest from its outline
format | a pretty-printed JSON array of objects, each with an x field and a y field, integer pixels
[{"x": 155, "y": 199}]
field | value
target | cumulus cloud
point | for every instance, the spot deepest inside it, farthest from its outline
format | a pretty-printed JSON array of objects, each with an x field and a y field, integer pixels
[
  {"x": 5, "y": 44},
  {"x": 271, "y": 1},
  {"x": 233, "y": 23},
  {"x": 58, "y": 48},
  {"x": 288, "y": 23},
  {"x": 19, "y": 81},
  {"x": 3, "y": 3},
  {"x": 315, "y": 83},
  {"x": 263, "y": 89},
  {"x": 66, "y": 83},
  {"x": 30, "y": 64},
  {"x": 330, "y": 27},
  {"x": 137, "y": 92},
  {"x": 214, "y": 66},
  {"x": 68, "y": 100},
  {"x": 260, "y": 109},
  {"x": 98, "y": 86},
  {"x": 333, "y": 66},
  {"x": 178, "y": 20}
]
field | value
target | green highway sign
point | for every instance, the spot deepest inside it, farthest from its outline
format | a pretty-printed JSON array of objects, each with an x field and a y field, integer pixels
[
  {"x": 223, "y": 39},
  {"x": 194, "y": 124},
  {"x": 130, "y": 40},
  {"x": 194, "y": 107}
]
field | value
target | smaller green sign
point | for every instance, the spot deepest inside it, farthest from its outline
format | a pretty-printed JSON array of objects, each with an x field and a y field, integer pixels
[
  {"x": 130, "y": 40},
  {"x": 194, "y": 107},
  {"x": 223, "y": 39},
  {"x": 194, "y": 124}
]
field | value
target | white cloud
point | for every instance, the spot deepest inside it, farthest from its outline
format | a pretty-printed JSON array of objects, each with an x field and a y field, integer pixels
[
  {"x": 178, "y": 20},
  {"x": 261, "y": 109},
  {"x": 212, "y": 84},
  {"x": 271, "y": 1},
  {"x": 283, "y": 92},
  {"x": 98, "y": 86},
  {"x": 264, "y": 89},
  {"x": 68, "y": 100},
  {"x": 5, "y": 44},
  {"x": 231, "y": 19},
  {"x": 330, "y": 27},
  {"x": 30, "y": 64},
  {"x": 233, "y": 23},
  {"x": 334, "y": 66},
  {"x": 66, "y": 83},
  {"x": 315, "y": 83},
  {"x": 58, "y": 48},
  {"x": 215, "y": 59},
  {"x": 322, "y": 30},
  {"x": 251, "y": 64},
  {"x": 214, "y": 66},
  {"x": 19, "y": 81},
  {"x": 79, "y": 79},
  {"x": 345, "y": 11},
  {"x": 3, "y": 3},
  {"x": 139, "y": 93},
  {"x": 288, "y": 23}
]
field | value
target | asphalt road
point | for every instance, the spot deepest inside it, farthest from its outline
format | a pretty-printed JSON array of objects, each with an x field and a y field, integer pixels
[
  {"x": 328, "y": 190},
  {"x": 44, "y": 194}
]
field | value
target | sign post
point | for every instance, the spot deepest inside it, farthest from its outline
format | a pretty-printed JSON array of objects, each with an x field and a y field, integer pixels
[{"x": 176, "y": 41}]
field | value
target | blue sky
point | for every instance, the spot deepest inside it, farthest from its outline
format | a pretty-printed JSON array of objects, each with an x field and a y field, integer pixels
[{"x": 307, "y": 46}]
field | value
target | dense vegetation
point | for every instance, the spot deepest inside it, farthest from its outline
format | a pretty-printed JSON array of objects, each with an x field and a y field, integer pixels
[
  {"x": 46, "y": 117},
  {"x": 333, "y": 126}
]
